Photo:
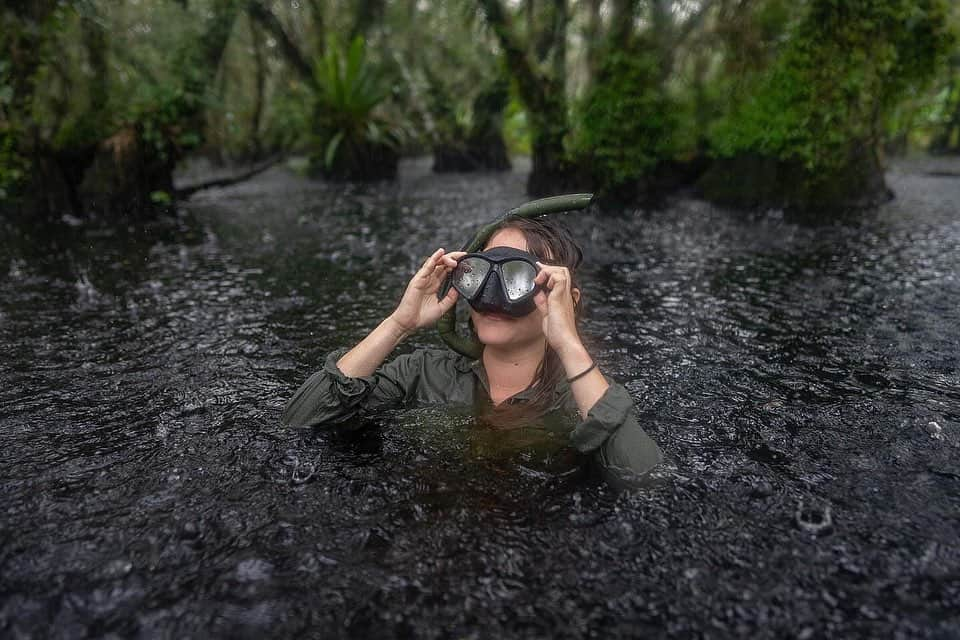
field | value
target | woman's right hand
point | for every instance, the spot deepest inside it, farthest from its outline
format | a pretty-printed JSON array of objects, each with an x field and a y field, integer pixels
[{"x": 419, "y": 306}]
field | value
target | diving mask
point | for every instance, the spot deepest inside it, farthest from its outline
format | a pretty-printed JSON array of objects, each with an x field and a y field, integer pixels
[
  {"x": 499, "y": 280},
  {"x": 447, "y": 325}
]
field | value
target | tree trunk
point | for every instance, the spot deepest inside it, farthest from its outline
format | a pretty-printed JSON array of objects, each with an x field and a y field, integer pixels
[
  {"x": 544, "y": 98},
  {"x": 23, "y": 23},
  {"x": 95, "y": 43},
  {"x": 558, "y": 47},
  {"x": 758, "y": 182},
  {"x": 529, "y": 15},
  {"x": 260, "y": 83},
  {"x": 318, "y": 31},
  {"x": 367, "y": 13},
  {"x": 206, "y": 62},
  {"x": 484, "y": 148},
  {"x": 288, "y": 49},
  {"x": 122, "y": 174},
  {"x": 45, "y": 190},
  {"x": 622, "y": 18},
  {"x": 126, "y": 175},
  {"x": 130, "y": 172},
  {"x": 662, "y": 31},
  {"x": 591, "y": 37}
]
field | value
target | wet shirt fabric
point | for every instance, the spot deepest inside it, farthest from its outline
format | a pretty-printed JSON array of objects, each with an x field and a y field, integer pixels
[{"x": 440, "y": 377}]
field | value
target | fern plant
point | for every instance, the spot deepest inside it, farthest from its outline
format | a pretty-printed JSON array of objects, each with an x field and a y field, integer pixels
[{"x": 353, "y": 138}]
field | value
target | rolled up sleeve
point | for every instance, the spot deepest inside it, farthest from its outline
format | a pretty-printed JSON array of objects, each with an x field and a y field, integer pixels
[
  {"x": 330, "y": 397},
  {"x": 425, "y": 376},
  {"x": 611, "y": 431}
]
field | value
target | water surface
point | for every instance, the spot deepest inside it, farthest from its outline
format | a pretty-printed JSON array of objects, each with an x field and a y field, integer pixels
[{"x": 803, "y": 381}]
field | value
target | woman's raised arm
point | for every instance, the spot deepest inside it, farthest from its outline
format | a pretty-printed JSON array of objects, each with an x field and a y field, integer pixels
[
  {"x": 418, "y": 308},
  {"x": 556, "y": 302}
]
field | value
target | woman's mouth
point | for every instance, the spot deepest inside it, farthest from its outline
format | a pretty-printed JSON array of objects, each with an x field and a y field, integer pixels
[{"x": 498, "y": 317}]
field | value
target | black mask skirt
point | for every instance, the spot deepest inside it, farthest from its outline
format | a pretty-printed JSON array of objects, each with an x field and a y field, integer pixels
[{"x": 499, "y": 280}]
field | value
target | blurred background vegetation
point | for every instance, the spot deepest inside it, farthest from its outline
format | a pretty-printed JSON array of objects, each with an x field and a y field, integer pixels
[{"x": 756, "y": 102}]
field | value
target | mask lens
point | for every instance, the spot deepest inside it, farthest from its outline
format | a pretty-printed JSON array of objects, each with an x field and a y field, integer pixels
[
  {"x": 518, "y": 278},
  {"x": 469, "y": 275}
]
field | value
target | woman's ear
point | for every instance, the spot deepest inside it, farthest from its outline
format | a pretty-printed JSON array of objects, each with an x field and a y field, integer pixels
[{"x": 576, "y": 295}]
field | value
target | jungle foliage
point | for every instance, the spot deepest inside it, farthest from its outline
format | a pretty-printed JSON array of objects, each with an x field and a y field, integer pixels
[
  {"x": 100, "y": 101},
  {"x": 818, "y": 112},
  {"x": 354, "y": 139},
  {"x": 846, "y": 65},
  {"x": 626, "y": 121}
]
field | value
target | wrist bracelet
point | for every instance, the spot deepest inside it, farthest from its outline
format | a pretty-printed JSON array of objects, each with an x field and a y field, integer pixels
[{"x": 582, "y": 373}]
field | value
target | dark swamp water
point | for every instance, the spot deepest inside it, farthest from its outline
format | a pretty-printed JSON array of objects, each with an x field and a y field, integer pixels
[{"x": 791, "y": 373}]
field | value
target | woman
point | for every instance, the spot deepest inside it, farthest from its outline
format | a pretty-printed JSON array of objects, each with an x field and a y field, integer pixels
[{"x": 532, "y": 363}]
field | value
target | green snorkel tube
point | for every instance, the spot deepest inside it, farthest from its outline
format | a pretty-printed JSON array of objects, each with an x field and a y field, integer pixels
[{"x": 447, "y": 325}]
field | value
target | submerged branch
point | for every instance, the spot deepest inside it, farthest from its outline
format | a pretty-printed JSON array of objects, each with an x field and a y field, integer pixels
[{"x": 184, "y": 193}]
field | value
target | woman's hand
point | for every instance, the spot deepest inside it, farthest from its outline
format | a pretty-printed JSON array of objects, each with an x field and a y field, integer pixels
[
  {"x": 556, "y": 302},
  {"x": 419, "y": 306},
  {"x": 560, "y": 326}
]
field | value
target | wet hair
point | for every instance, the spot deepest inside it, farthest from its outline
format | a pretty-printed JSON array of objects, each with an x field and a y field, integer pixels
[{"x": 551, "y": 241}]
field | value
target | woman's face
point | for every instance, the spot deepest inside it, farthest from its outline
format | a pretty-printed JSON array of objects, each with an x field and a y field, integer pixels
[{"x": 496, "y": 329}]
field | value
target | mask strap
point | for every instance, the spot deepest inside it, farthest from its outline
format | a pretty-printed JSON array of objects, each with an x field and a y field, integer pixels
[{"x": 447, "y": 325}]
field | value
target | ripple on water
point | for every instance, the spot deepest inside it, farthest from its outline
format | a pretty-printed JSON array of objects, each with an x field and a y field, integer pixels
[{"x": 792, "y": 374}]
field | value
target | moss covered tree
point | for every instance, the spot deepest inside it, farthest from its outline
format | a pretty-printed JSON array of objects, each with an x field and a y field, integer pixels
[
  {"x": 805, "y": 134},
  {"x": 946, "y": 134},
  {"x": 84, "y": 142},
  {"x": 537, "y": 65}
]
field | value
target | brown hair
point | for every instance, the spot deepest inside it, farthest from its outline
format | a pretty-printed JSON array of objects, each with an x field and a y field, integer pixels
[{"x": 552, "y": 242}]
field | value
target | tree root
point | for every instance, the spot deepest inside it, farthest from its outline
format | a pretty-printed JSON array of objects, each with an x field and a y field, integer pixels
[{"x": 184, "y": 193}]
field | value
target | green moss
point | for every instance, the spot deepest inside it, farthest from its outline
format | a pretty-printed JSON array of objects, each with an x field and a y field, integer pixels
[
  {"x": 13, "y": 167},
  {"x": 626, "y": 123},
  {"x": 516, "y": 128},
  {"x": 845, "y": 67}
]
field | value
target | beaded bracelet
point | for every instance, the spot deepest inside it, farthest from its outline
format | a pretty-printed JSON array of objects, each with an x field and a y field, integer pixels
[{"x": 582, "y": 373}]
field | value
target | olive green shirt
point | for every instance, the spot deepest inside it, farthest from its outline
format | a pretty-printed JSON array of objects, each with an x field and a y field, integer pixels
[{"x": 434, "y": 376}]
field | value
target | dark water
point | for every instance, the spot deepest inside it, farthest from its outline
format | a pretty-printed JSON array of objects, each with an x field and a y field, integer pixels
[{"x": 803, "y": 380}]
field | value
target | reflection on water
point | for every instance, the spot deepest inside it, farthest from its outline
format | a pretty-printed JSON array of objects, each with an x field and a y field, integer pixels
[{"x": 802, "y": 380}]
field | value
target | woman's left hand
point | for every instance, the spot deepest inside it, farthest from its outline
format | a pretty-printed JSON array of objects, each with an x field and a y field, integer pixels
[{"x": 556, "y": 302}]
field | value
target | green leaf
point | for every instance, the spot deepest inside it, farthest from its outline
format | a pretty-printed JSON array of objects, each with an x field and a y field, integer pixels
[
  {"x": 161, "y": 197},
  {"x": 331, "y": 151}
]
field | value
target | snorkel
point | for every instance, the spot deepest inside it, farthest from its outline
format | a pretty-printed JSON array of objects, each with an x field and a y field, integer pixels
[{"x": 447, "y": 325}]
